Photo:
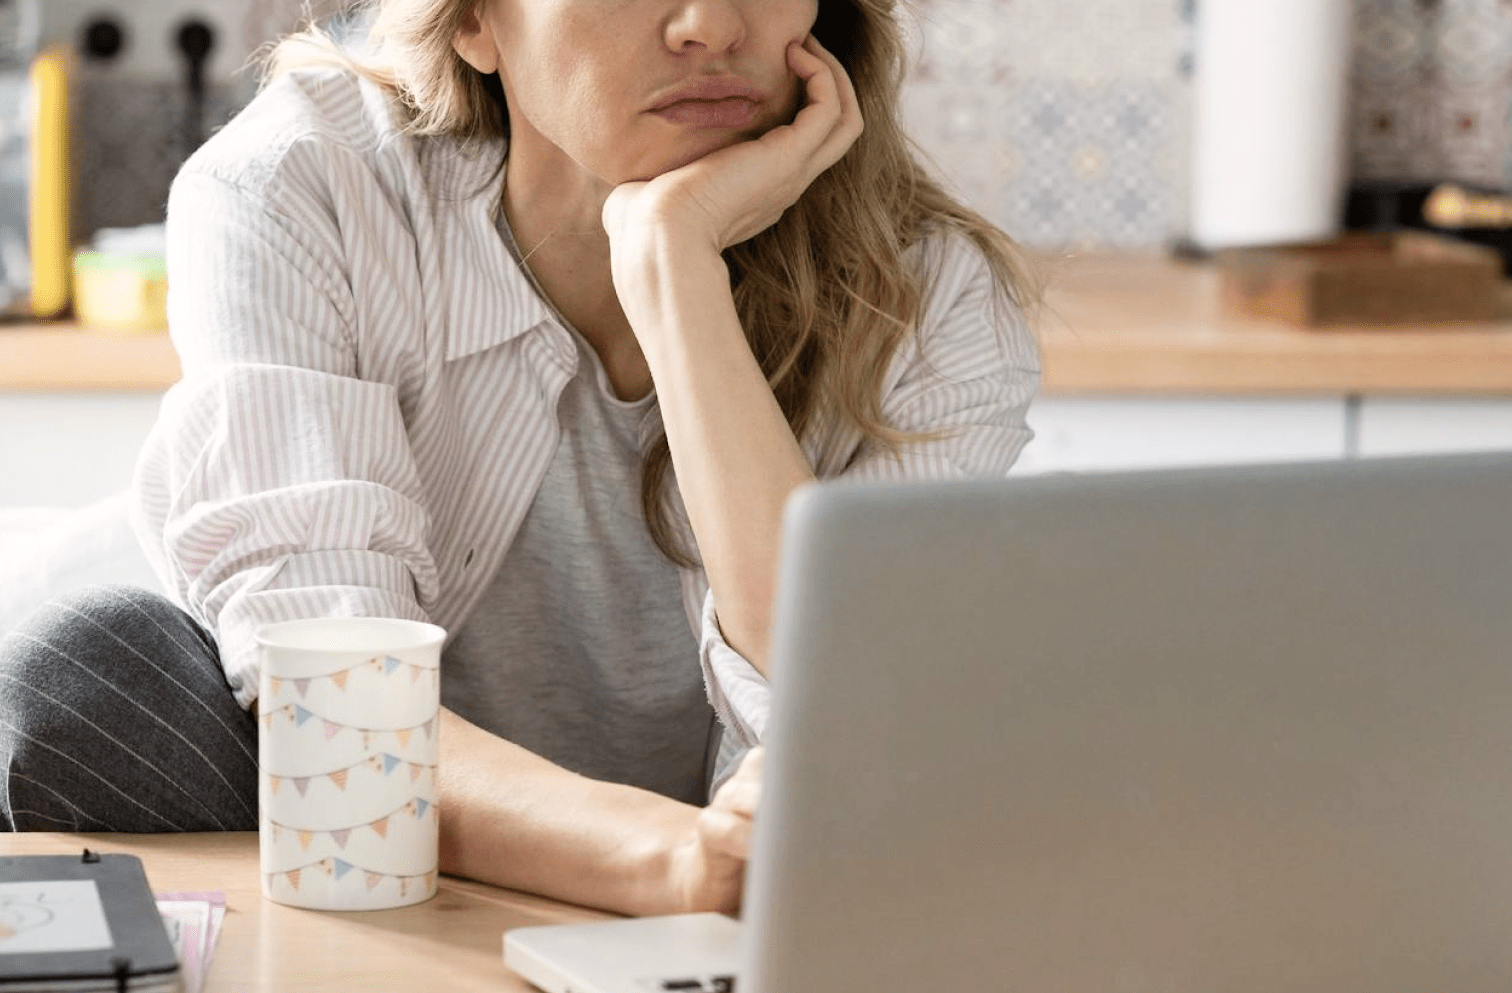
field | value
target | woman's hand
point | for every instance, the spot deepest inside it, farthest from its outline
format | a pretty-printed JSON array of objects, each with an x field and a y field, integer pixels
[
  {"x": 733, "y": 194},
  {"x": 708, "y": 868}
]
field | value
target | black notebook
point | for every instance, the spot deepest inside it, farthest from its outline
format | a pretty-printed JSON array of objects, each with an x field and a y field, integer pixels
[{"x": 82, "y": 923}]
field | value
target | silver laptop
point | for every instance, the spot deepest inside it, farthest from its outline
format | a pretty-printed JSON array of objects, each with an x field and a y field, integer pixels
[{"x": 1195, "y": 731}]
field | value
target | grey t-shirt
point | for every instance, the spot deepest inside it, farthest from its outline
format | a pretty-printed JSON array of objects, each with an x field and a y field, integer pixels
[{"x": 580, "y": 650}]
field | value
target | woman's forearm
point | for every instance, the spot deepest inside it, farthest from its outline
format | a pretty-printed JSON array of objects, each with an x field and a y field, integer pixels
[
  {"x": 734, "y": 454},
  {"x": 513, "y": 819}
]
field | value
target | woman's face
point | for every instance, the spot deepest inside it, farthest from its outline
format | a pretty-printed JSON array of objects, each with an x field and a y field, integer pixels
[{"x": 629, "y": 89}]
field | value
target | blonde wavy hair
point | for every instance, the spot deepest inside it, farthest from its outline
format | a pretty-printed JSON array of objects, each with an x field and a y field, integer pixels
[{"x": 825, "y": 295}]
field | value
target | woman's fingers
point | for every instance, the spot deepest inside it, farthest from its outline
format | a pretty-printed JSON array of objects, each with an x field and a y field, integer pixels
[
  {"x": 751, "y": 767},
  {"x": 725, "y": 833},
  {"x": 851, "y": 122},
  {"x": 830, "y": 120},
  {"x": 739, "y": 797},
  {"x": 711, "y": 865},
  {"x": 742, "y": 791}
]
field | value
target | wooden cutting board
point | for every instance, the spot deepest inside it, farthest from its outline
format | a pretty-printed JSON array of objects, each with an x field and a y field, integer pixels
[{"x": 1365, "y": 280}]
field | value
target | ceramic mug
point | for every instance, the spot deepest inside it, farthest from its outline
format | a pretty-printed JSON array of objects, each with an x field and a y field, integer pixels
[{"x": 348, "y": 714}]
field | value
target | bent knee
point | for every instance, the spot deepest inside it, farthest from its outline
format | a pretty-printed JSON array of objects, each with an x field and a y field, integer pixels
[
  {"x": 103, "y": 634},
  {"x": 112, "y": 697}
]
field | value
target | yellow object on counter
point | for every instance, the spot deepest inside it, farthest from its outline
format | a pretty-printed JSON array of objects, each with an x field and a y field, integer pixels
[
  {"x": 50, "y": 183},
  {"x": 116, "y": 291}
]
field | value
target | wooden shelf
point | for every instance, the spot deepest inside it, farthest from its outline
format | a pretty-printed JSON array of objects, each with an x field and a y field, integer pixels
[{"x": 61, "y": 357}]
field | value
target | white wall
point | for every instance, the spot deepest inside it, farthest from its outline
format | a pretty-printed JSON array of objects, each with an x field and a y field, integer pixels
[
  {"x": 1104, "y": 433},
  {"x": 70, "y": 449}
]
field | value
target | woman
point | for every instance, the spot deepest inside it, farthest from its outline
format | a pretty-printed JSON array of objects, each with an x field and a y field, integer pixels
[{"x": 528, "y": 325}]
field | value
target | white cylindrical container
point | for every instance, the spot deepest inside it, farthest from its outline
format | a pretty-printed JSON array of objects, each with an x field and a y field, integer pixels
[
  {"x": 1269, "y": 137},
  {"x": 347, "y": 750}
]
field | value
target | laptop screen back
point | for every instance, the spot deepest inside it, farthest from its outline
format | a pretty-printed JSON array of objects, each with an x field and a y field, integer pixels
[{"x": 1190, "y": 731}]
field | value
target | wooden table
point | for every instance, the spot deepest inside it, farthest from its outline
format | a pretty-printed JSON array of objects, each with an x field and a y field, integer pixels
[{"x": 453, "y": 942}]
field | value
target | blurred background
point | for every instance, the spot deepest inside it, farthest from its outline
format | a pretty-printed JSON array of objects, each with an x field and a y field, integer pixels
[
  {"x": 1066, "y": 121},
  {"x": 1070, "y": 121},
  {"x": 150, "y": 79},
  {"x": 1077, "y": 125}
]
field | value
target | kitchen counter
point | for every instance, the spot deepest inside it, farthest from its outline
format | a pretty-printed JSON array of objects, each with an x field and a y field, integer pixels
[
  {"x": 1114, "y": 325},
  {"x": 1152, "y": 325},
  {"x": 61, "y": 357}
]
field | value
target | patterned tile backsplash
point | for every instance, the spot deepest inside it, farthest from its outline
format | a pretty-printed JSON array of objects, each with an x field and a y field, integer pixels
[
  {"x": 1066, "y": 121},
  {"x": 1069, "y": 123},
  {"x": 1433, "y": 90}
]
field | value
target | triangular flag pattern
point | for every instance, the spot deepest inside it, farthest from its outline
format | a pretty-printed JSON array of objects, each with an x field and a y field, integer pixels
[
  {"x": 415, "y": 769},
  {"x": 414, "y": 674},
  {"x": 428, "y": 725},
  {"x": 403, "y": 736},
  {"x": 301, "y": 715},
  {"x": 293, "y": 875},
  {"x": 342, "y": 868},
  {"x": 389, "y": 762},
  {"x": 390, "y": 664},
  {"x": 300, "y": 686},
  {"x": 332, "y": 729},
  {"x": 373, "y": 879},
  {"x": 273, "y": 782},
  {"x": 420, "y": 808},
  {"x": 380, "y": 826},
  {"x": 275, "y": 684},
  {"x": 341, "y": 837},
  {"x": 305, "y": 837},
  {"x": 302, "y": 783},
  {"x": 340, "y": 679}
]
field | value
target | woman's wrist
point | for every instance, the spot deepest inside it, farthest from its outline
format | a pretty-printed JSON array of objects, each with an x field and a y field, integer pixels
[
  {"x": 654, "y": 258},
  {"x": 649, "y": 866},
  {"x": 513, "y": 819}
]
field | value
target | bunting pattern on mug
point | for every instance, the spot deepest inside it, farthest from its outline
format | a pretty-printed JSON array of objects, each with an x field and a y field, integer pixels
[
  {"x": 417, "y": 809},
  {"x": 300, "y": 715},
  {"x": 382, "y": 763},
  {"x": 339, "y": 869},
  {"x": 385, "y": 664}
]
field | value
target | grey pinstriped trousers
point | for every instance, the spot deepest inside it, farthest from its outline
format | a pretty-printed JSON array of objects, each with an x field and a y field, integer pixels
[{"x": 115, "y": 716}]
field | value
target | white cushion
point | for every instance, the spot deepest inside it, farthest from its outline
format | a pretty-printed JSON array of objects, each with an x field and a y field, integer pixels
[{"x": 46, "y": 551}]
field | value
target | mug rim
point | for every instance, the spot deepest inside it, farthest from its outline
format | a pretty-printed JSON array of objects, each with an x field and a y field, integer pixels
[{"x": 423, "y": 634}]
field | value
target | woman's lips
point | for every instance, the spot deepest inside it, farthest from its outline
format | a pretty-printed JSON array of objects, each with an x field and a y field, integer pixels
[
  {"x": 710, "y": 102},
  {"x": 731, "y": 112}
]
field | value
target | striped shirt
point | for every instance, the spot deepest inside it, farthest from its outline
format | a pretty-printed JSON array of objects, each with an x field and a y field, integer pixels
[{"x": 370, "y": 384}]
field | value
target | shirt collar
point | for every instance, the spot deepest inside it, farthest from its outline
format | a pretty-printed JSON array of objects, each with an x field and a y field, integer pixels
[{"x": 490, "y": 301}]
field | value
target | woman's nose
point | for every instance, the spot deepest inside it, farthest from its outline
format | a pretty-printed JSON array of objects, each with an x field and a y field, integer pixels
[{"x": 715, "y": 25}]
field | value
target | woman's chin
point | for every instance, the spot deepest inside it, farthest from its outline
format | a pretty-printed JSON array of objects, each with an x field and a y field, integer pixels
[{"x": 692, "y": 149}]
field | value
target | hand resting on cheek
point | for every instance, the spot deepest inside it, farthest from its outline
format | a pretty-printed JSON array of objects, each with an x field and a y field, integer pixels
[{"x": 735, "y": 193}]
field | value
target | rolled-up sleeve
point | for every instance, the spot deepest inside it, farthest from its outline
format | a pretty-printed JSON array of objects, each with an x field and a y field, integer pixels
[
  {"x": 963, "y": 384},
  {"x": 276, "y": 484}
]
